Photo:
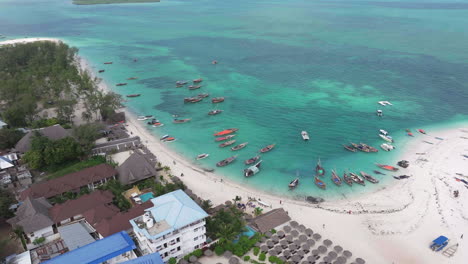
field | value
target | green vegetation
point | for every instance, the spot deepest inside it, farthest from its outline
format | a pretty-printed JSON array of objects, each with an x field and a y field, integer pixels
[
  {"x": 46, "y": 154},
  {"x": 87, "y": 134},
  {"x": 19, "y": 234},
  {"x": 172, "y": 261},
  {"x": 45, "y": 122},
  {"x": 69, "y": 196},
  {"x": 158, "y": 188},
  {"x": 219, "y": 250},
  {"x": 39, "y": 240},
  {"x": 197, "y": 253},
  {"x": 246, "y": 258},
  {"x": 225, "y": 225},
  {"x": 262, "y": 257},
  {"x": 275, "y": 259},
  {"x": 256, "y": 250},
  {"x": 9, "y": 138},
  {"x": 6, "y": 200},
  {"x": 39, "y": 75},
  {"x": 243, "y": 245},
  {"x": 97, "y": 2},
  {"x": 117, "y": 189},
  {"x": 93, "y": 161}
]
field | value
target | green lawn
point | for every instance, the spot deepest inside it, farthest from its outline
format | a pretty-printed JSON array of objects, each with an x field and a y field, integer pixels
[
  {"x": 97, "y": 2},
  {"x": 74, "y": 167}
]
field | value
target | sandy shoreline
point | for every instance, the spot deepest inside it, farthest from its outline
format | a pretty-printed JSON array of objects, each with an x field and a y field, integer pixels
[{"x": 393, "y": 225}]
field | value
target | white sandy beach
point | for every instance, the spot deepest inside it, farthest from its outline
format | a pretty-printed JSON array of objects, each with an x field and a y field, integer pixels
[
  {"x": 393, "y": 225},
  {"x": 26, "y": 40}
]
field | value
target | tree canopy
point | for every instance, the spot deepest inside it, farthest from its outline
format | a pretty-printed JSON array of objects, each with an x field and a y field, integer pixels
[{"x": 9, "y": 137}]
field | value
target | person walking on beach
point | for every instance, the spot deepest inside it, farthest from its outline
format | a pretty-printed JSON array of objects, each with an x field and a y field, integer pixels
[
  {"x": 461, "y": 236},
  {"x": 323, "y": 226}
]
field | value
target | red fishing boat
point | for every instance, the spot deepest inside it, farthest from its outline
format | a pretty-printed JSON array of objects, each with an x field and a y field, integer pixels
[
  {"x": 225, "y": 132},
  {"x": 224, "y": 138},
  {"x": 267, "y": 148},
  {"x": 421, "y": 131},
  {"x": 199, "y": 80},
  {"x": 217, "y": 100},
  {"x": 386, "y": 167}
]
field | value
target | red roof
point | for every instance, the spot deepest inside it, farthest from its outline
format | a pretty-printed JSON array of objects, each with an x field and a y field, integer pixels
[
  {"x": 121, "y": 221},
  {"x": 69, "y": 182},
  {"x": 78, "y": 206}
]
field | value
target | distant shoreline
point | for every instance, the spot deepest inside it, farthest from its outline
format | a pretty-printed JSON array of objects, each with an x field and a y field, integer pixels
[{"x": 103, "y": 2}]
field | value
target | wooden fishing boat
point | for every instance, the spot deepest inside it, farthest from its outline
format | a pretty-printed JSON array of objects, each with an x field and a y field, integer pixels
[
  {"x": 215, "y": 112},
  {"x": 169, "y": 139},
  {"x": 293, "y": 184},
  {"x": 379, "y": 173},
  {"x": 164, "y": 137},
  {"x": 217, "y": 100},
  {"x": 240, "y": 146},
  {"x": 181, "y": 82},
  {"x": 121, "y": 84},
  {"x": 319, "y": 170},
  {"x": 252, "y": 160},
  {"x": 252, "y": 170},
  {"x": 146, "y": 117},
  {"x": 335, "y": 178},
  {"x": 370, "y": 148},
  {"x": 153, "y": 121},
  {"x": 133, "y": 95},
  {"x": 357, "y": 179},
  {"x": 320, "y": 183},
  {"x": 359, "y": 147},
  {"x": 386, "y": 167},
  {"x": 199, "y": 80},
  {"x": 202, "y": 156},
  {"x": 421, "y": 131},
  {"x": 226, "y": 161},
  {"x": 194, "y": 87},
  {"x": 204, "y": 95},
  {"x": 347, "y": 179},
  {"x": 109, "y": 62},
  {"x": 192, "y": 99},
  {"x": 132, "y": 78},
  {"x": 226, "y": 132},
  {"x": 227, "y": 143},
  {"x": 101, "y": 71},
  {"x": 224, "y": 138},
  {"x": 180, "y": 121},
  {"x": 267, "y": 148},
  {"x": 350, "y": 148},
  {"x": 369, "y": 178}
]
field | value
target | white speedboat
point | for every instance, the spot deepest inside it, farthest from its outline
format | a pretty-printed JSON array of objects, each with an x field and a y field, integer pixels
[
  {"x": 252, "y": 170},
  {"x": 202, "y": 156},
  {"x": 386, "y": 138},
  {"x": 387, "y": 147},
  {"x": 383, "y": 132},
  {"x": 379, "y": 113},
  {"x": 164, "y": 137},
  {"x": 384, "y": 103},
  {"x": 305, "y": 135},
  {"x": 142, "y": 118}
]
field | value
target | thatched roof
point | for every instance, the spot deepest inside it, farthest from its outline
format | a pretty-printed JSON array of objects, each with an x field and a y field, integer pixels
[
  {"x": 270, "y": 220},
  {"x": 135, "y": 168},
  {"x": 54, "y": 132}
]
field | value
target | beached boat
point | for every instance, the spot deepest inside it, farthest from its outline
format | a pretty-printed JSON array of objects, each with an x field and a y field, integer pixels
[
  {"x": 109, "y": 62},
  {"x": 320, "y": 183},
  {"x": 226, "y": 161},
  {"x": 132, "y": 78},
  {"x": 387, "y": 147},
  {"x": 386, "y": 138},
  {"x": 169, "y": 139},
  {"x": 410, "y": 134},
  {"x": 199, "y": 80},
  {"x": 133, "y": 95},
  {"x": 226, "y": 132},
  {"x": 421, "y": 131},
  {"x": 181, "y": 82},
  {"x": 121, "y": 84},
  {"x": 202, "y": 156},
  {"x": 215, "y": 112},
  {"x": 252, "y": 160},
  {"x": 227, "y": 143},
  {"x": 319, "y": 170},
  {"x": 217, "y": 100},
  {"x": 357, "y": 179},
  {"x": 379, "y": 113},
  {"x": 386, "y": 167},
  {"x": 164, "y": 137},
  {"x": 204, "y": 95},
  {"x": 153, "y": 121},
  {"x": 350, "y": 148},
  {"x": 224, "y": 138},
  {"x": 142, "y": 118},
  {"x": 335, "y": 178},
  {"x": 305, "y": 135},
  {"x": 180, "y": 121},
  {"x": 252, "y": 170},
  {"x": 347, "y": 179},
  {"x": 369, "y": 178},
  {"x": 267, "y": 148},
  {"x": 240, "y": 146},
  {"x": 293, "y": 184},
  {"x": 401, "y": 177},
  {"x": 194, "y": 87},
  {"x": 101, "y": 71},
  {"x": 158, "y": 124},
  {"x": 379, "y": 173}
]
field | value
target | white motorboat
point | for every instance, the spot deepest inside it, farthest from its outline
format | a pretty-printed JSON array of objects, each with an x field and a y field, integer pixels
[
  {"x": 387, "y": 147},
  {"x": 383, "y": 132},
  {"x": 252, "y": 170},
  {"x": 379, "y": 113},
  {"x": 386, "y": 138},
  {"x": 158, "y": 124},
  {"x": 293, "y": 184},
  {"x": 164, "y": 137},
  {"x": 384, "y": 103},
  {"x": 305, "y": 135},
  {"x": 202, "y": 156}
]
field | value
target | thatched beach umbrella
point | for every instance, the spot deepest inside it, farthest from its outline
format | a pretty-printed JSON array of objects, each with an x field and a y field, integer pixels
[
  {"x": 295, "y": 233},
  {"x": 347, "y": 253},
  {"x": 284, "y": 243},
  {"x": 326, "y": 259},
  {"x": 183, "y": 261},
  {"x": 289, "y": 238},
  {"x": 287, "y": 229},
  {"x": 280, "y": 234},
  {"x": 294, "y": 224},
  {"x": 228, "y": 203},
  {"x": 322, "y": 249},
  {"x": 315, "y": 252},
  {"x": 327, "y": 242},
  {"x": 283, "y": 259},
  {"x": 297, "y": 242},
  {"x": 270, "y": 244},
  {"x": 193, "y": 259},
  {"x": 275, "y": 239},
  {"x": 263, "y": 239},
  {"x": 332, "y": 254},
  {"x": 300, "y": 252},
  {"x": 341, "y": 259},
  {"x": 317, "y": 236},
  {"x": 360, "y": 261},
  {"x": 309, "y": 232},
  {"x": 273, "y": 252},
  {"x": 227, "y": 254},
  {"x": 296, "y": 258},
  {"x": 305, "y": 262},
  {"x": 268, "y": 234},
  {"x": 301, "y": 228},
  {"x": 292, "y": 247},
  {"x": 233, "y": 260},
  {"x": 287, "y": 253},
  {"x": 303, "y": 238},
  {"x": 338, "y": 249},
  {"x": 306, "y": 248},
  {"x": 311, "y": 259},
  {"x": 278, "y": 248},
  {"x": 310, "y": 242},
  {"x": 264, "y": 248},
  {"x": 208, "y": 253}
]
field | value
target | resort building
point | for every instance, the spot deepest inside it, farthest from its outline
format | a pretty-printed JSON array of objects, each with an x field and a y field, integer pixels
[
  {"x": 89, "y": 178},
  {"x": 54, "y": 132},
  {"x": 136, "y": 168},
  {"x": 174, "y": 226}
]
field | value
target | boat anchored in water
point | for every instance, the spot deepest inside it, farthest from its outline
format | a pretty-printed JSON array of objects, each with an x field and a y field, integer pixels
[
  {"x": 379, "y": 113},
  {"x": 217, "y": 100},
  {"x": 387, "y": 147},
  {"x": 305, "y": 135},
  {"x": 384, "y": 103},
  {"x": 143, "y": 118},
  {"x": 227, "y": 161},
  {"x": 227, "y": 143},
  {"x": 386, "y": 138},
  {"x": 335, "y": 178},
  {"x": 240, "y": 146},
  {"x": 350, "y": 148},
  {"x": 320, "y": 183},
  {"x": 133, "y": 95},
  {"x": 226, "y": 132},
  {"x": 293, "y": 184},
  {"x": 215, "y": 112},
  {"x": 202, "y": 156},
  {"x": 199, "y": 80},
  {"x": 386, "y": 167},
  {"x": 252, "y": 160},
  {"x": 180, "y": 121},
  {"x": 347, "y": 179},
  {"x": 357, "y": 179},
  {"x": 319, "y": 170},
  {"x": 369, "y": 178},
  {"x": 267, "y": 148},
  {"x": 121, "y": 84},
  {"x": 252, "y": 170},
  {"x": 194, "y": 87},
  {"x": 421, "y": 131},
  {"x": 224, "y": 138}
]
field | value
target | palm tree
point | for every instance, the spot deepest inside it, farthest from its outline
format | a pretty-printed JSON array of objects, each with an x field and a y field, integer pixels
[
  {"x": 206, "y": 205},
  {"x": 258, "y": 211},
  {"x": 226, "y": 234}
]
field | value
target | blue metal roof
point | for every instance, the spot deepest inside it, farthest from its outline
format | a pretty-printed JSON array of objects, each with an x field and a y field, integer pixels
[
  {"x": 176, "y": 208},
  {"x": 154, "y": 258},
  {"x": 440, "y": 240},
  {"x": 97, "y": 252}
]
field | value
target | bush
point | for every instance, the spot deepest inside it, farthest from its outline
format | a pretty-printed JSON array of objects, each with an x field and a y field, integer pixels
[
  {"x": 39, "y": 241},
  {"x": 246, "y": 258},
  {"x": 262, "y": 257},
  {"x": 256, "y": 250},
  {"x": 198, "y": 253},
  {"x": 219, "y": 250},
  {"x": 273, "y": 231},
  {"x": 172, "y": 261},
  {"x": 273, "y": 259}
]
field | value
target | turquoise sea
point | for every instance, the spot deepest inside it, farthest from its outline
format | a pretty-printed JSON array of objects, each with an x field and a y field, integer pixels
[{"x": 284, "y": 67}]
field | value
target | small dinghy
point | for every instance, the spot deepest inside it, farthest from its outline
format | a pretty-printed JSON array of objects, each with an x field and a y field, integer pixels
[
  {"x": 158, "y": 124},
  {"x": 217, "y": 100},
  {"x": 293, "y": 184},
  {"x": 164, "y": 137},
  {"x": 305, "y": 135},
  {"x": 227, "y": 143},
  {"x": 202, "y": 156},
  {"x": 379, "y": 113},
  {"x": 386, "y": 138},
  {"x": 267, "y": 148},
  {"x": 421, "y": 131},
  {"x": 252, "y": 170},
  {"x": 199, "y": 80},
  {"x": 180, "y": 121},
  {"x": 379, "y": 173},
  {"x": 350, "y": 148},
  {"x": 387, "y": 147},
  {"x": 215, "y": 112},
  {"x": 383, "y": 132}
]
